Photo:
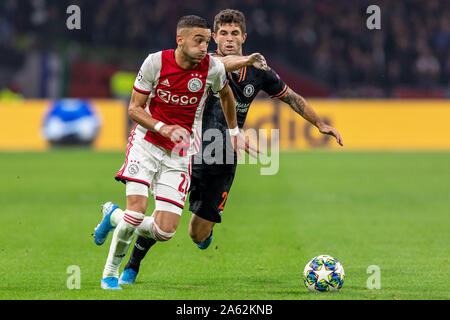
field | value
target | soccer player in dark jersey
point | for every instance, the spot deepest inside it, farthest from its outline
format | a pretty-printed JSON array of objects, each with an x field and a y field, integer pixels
[{"x": 211, "y": 183}]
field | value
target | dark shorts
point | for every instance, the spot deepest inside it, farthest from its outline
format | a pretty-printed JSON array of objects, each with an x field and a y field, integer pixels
[{"x": 210, "y": 186}]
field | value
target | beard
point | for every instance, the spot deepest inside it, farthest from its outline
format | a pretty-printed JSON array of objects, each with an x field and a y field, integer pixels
[{"x": 192, "y": 58}]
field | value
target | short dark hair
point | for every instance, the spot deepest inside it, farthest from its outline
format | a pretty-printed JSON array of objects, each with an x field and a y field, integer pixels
[
  {"x": 192, "y": 21},
  {"x": 229, "y": 16}
]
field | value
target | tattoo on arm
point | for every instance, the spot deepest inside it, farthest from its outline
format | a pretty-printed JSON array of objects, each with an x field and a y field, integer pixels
[{"x": 296, "y": 102}]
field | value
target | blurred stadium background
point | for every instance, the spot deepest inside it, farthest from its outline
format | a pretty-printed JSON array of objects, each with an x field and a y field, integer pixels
[
  {"x": 384, "y": 90},
  {"x": 323, "y": 46},
  {"x": 321, "y": 50}
]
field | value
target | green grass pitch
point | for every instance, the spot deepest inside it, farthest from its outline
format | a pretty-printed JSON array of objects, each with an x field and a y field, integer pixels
[{"x": 386, "y": 209}]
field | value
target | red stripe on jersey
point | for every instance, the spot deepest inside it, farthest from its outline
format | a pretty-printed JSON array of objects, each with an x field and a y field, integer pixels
[
  {"x": 177, "y": 103},
  {"x": 190, "y": 168},
  {"x": 170, "y": 201},
  {"x": 129, "y": 145},
  {"x": 197, "y": 146},
  {"x": 122, "y": 177},
  {"x": 197, "y": 142}
]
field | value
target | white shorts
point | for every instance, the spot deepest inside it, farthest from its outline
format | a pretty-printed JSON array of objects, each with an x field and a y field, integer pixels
[{"x": 166, "y": 173}]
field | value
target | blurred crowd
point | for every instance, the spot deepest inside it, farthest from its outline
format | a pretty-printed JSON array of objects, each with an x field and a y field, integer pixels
[{"x": 325, "y": 41}]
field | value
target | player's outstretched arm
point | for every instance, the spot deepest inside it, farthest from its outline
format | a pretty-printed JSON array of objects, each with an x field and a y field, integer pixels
[
  {"x": 233, "y": 62},
  {"x": 238, "y": 139},
  {"x": 137, "y": 113},
  {"x": 302, "y": 107}
]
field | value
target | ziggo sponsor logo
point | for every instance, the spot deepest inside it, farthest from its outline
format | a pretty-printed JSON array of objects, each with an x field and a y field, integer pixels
[{"x": 168, "y": 97}]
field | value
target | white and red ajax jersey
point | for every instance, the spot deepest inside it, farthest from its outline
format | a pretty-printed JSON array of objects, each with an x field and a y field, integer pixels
[{"x": 177, "y": 96}]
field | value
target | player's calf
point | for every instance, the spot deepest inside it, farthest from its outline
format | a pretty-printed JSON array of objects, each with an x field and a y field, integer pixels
[
  {"x": 140, "y": 249},
  {"x": 122, "y": 237},
  {"x": 200, "y": 231},
  {"x": 205, "y": 243},
  {"x": 200, "y": 236}
]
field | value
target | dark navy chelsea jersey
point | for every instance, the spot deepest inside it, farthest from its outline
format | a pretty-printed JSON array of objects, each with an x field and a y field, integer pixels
[{"x": 246, "y": 84}]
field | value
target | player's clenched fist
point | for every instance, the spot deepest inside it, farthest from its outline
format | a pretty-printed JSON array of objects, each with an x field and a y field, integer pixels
[
  {"x": 175, "y": 133},
  {"x": 258, "y": 61}
]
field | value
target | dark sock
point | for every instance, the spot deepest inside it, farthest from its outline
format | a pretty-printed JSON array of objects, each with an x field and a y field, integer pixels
[{"x": 141, "y": 246}]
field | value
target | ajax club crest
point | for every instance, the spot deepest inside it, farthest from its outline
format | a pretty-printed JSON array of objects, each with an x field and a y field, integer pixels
[
  {"x": 133, "y": 169},
  {"x": 195, "y": 85}
]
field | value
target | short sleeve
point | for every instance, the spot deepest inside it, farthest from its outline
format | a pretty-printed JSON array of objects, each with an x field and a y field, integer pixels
[
  {"x": 217, "y": 69},
  {"x": 273, "y": 85},
  {"x": 145, "y": 77}
]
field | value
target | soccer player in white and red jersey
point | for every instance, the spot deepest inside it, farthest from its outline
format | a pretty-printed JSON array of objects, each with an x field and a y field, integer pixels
[
  {"x": 212, "y": 180},
  {"x": 167, "y": 104}
]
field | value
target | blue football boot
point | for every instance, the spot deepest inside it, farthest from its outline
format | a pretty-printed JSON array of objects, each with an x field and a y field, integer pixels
[
  {"x": 102, "y": 230},
  {"x": 110, "y": 283},
  {"x": 128, "y": 276}
]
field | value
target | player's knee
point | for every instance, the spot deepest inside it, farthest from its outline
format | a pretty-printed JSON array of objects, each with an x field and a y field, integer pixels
[
  {"x": 164, "y": 225},
  {"x": 163, "y": 233}
]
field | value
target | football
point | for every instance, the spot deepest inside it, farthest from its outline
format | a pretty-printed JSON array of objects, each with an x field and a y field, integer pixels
[{"x": 323, "y": 274}]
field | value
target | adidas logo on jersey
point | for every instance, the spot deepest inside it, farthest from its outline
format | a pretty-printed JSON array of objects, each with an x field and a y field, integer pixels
[{"x": 165, "y": 83}]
